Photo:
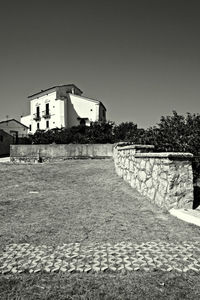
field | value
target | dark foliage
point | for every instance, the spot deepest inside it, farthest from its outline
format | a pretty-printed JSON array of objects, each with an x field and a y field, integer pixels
[
  {"x": 177, "y": 133},
  {"x": 96, "y": 133},
  {"x": 125, "y": 131}
]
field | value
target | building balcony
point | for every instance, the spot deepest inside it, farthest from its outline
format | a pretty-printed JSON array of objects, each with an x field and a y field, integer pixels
[
  {"x": 36, "y": 117},
  {"x": 46, "y": 115}
]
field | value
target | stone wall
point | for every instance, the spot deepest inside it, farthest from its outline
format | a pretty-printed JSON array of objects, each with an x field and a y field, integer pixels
[
  {"x": 164, "y": 178},
  {"x": 42, "y": 153}
]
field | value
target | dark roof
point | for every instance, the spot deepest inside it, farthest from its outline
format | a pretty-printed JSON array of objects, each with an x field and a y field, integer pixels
[
  {"x": 6, "y": 121},
  {"x": 54, "y": 87}
]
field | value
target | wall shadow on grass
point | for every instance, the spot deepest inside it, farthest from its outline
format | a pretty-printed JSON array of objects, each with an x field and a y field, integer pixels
[{"x": 196, "y": 201}]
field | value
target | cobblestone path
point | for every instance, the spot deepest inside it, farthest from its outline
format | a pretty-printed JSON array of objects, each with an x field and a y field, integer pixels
[{"x": 75, "y": 257}]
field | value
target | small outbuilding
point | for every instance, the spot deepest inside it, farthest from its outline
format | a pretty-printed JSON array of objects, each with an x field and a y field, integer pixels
[
  {"x": 5, "y": 141},
  {"x": 14, "y": 128}
]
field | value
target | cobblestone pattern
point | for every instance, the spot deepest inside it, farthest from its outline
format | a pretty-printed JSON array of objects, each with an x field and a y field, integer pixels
[
  {"x": 165, "y": 178},
  {"x": 124, "y": 256}
]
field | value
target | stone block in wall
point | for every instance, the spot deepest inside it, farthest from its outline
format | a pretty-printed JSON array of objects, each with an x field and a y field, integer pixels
[
  {"x": 151, "y": 160},
  {"x": 151, "y": 193},
  {"x": 131, "y": 165},
  {"x": 148, "y": 167},
  {"x": 143, "y": 164},
  {"x": 162, "y": 182},
  {"x": 165, "y": 166},
  {"x": 142, "y": 176},
  {"x": 143, "y": 188},
  {"x": 127, "y": 163},
  {"x": 163, "y": 175},
  {"x": 149, "y": 183},
  {"x": 155, "y": 172},
  {"x": 158, "y": 199},
  {"x": 138, "y": 184},
  {"x": 133, "y": 181}
]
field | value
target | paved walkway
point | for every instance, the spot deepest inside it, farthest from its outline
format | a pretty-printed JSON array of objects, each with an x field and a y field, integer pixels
[{"x": 124, "y": 256}]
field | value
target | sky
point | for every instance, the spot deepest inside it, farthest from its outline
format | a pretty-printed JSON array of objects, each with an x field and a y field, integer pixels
[{"x": 141, "y": 58}]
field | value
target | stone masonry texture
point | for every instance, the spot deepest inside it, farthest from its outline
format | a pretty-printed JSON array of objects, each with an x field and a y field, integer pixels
[{"x": 165, "y": 178}]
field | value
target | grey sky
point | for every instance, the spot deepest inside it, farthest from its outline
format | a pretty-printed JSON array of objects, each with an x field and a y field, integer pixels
[{"x": 140, "y": 58}]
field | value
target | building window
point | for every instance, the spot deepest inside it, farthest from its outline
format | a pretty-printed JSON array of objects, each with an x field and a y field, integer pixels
[
  {"x": 38, "y": 111},
  {"x": 30, "y": 127},
  {"x": 38, "y": 125},
  {"x": 47, "y": 109},
  {"x": 1, "y": 138},
  {"x": 47, "y": 124}
]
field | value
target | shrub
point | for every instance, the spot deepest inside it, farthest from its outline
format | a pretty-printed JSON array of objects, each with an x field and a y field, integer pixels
[{"x": 177, "y": 133}]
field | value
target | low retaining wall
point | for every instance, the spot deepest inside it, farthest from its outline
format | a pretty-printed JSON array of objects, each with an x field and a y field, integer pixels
[
  {"x": 35, "y": 153},
  {"x": 165, "y": 178}
]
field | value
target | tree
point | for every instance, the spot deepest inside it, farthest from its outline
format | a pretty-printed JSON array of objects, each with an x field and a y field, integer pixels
[{"x": 125, "y": 131}]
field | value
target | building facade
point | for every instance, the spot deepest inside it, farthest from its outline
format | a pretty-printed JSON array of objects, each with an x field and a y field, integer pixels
[
  {"x": 14, "y": 128},
  {"x": 5, "y": 141},
  {"x": 62, "y": 106}
]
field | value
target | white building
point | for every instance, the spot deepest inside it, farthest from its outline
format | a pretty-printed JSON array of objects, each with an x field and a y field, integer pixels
[{"x": 62, "y": 106}]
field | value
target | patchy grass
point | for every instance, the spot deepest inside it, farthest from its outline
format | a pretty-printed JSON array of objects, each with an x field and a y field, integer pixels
[
  {"x": 79, "y": 201},
  {"x": 85, "y": 201},
  {"x": 136, "y": 285}
]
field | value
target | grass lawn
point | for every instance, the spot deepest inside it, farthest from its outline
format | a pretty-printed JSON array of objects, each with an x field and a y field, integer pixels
[
  {"x": 138, "y": 285},
  {"x": 85, "y": 201}
]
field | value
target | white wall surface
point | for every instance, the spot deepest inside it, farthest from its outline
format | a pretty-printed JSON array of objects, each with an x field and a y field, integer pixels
[
  {"x": 81, "y": 107},
  {"x": 56, "y": 110},
  {"x": 26, "y": 120}
]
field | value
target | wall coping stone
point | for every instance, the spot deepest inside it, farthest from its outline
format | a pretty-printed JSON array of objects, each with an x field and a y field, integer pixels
[
  {"x": 120, "y": 148},
  {"x": 169, "y": 155}
]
